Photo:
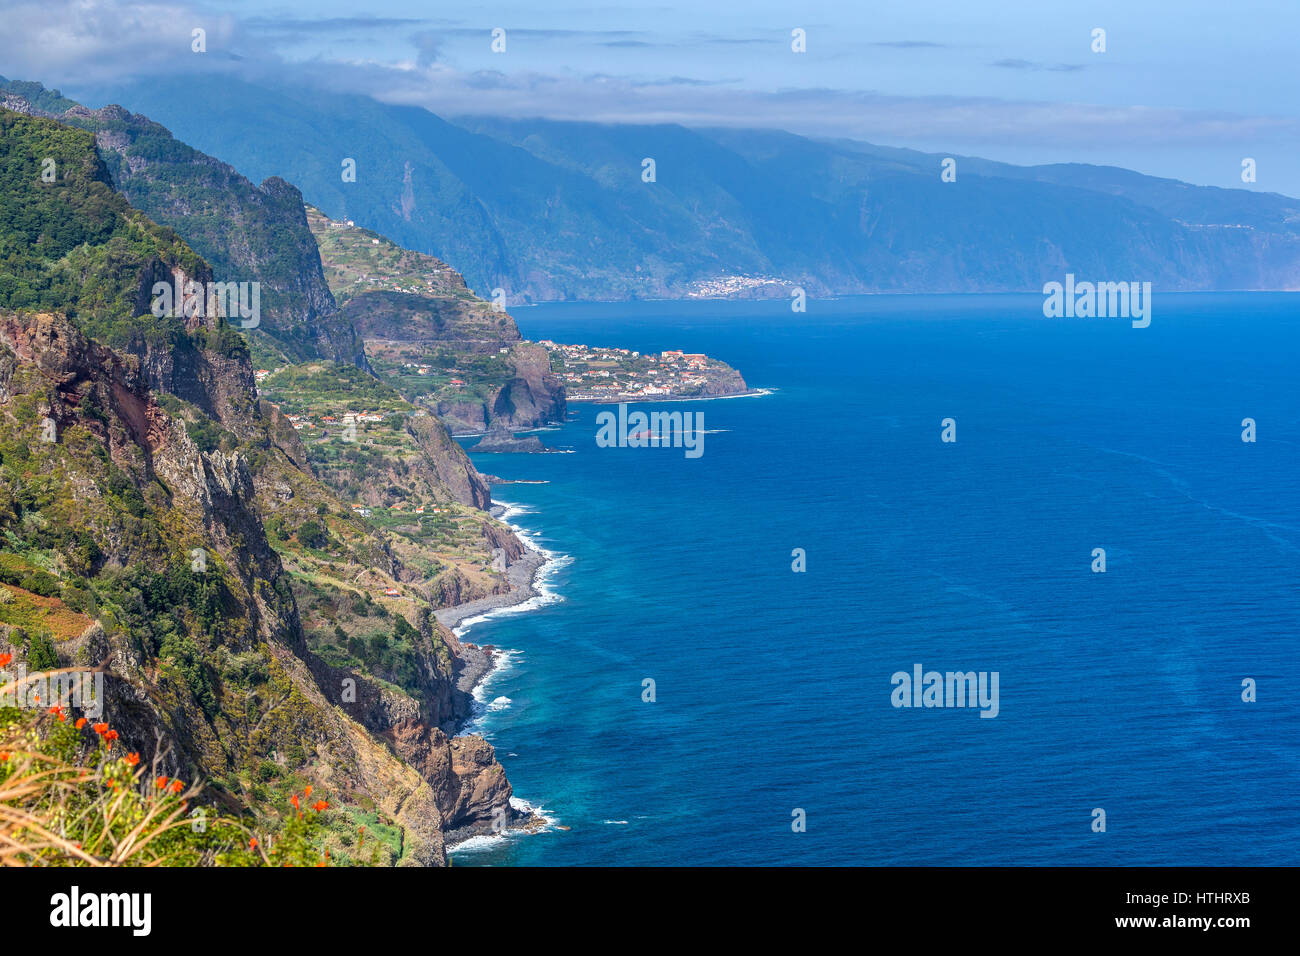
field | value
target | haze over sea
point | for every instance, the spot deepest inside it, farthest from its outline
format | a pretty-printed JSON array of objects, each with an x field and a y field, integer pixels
[{"x": 1120, "y": 690}]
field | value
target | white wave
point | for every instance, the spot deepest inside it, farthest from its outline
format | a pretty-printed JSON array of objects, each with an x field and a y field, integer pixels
[
  {"x": 756, "y": 393},
  {"x": 546, "y": 594},
  {"x": 621, "y": 823},
  {"x": 490, "y": 841},
  {"x": 503, "y": 662},
  {"x": 552, "y": 561},
  {"x": 536, "y": 810},
  {"x": 512, "y": 510},
  {"x": 477, "y": 844},
  {"x": 506, "y": 659}
]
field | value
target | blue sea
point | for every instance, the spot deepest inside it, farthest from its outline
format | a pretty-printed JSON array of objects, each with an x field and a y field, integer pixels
[{"x": 1119, "y": 690}]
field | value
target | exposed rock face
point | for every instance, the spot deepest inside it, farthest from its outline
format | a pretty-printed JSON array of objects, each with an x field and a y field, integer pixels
[
  {"x": 459, "y": 321},
  {"x": 468, "y": 783},
  {"x": 452, "y": 465},
  {"x": 725, "y": 384},
  {"x": 142, "y": 474},
  {"x": 535, "y": 396},
  {"x": 276, "y": 702},
  {"x": 532, "y": 397},
  {"x": 442, "y": 699},
  {"x": 220, "y": 383},
  {"x": 214, "y": 489},
  {"x": 503, "y": 440}
]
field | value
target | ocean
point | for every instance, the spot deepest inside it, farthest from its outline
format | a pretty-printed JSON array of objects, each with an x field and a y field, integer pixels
[{"x": 1119, "y": 691}]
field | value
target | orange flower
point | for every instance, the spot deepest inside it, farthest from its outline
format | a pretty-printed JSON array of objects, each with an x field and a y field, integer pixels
[
  {"x": 5, "y": 659},
  {"x": 132, "y": 759},
  {"x": 252, "y": 844},
  {"x": 294, "y": 801},
  {"x": 160, "y": 782},
  {"x": 320, "y": 805},
  {"x": 307, "y": 791},
  {"x": 100, "y": 727},
  {"x": 81, "y": 722},
  {"x": 177, "y": 786},
  {"x": 4, "y": 755}
]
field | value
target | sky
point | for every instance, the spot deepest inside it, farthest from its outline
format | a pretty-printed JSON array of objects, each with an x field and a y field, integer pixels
[{"x": 1185, "y": 89}]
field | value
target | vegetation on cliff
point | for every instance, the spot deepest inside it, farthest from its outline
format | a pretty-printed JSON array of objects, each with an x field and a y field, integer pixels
[
  {"x": 245, "y": 232},
  {"x": 68, "y": 241},
  {"x": 162, "y": 525}
]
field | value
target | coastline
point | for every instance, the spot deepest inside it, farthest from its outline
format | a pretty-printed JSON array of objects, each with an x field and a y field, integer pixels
[
  {"x": 521, "y": 578},
  {"x": 482, "y": 662},
  {"x": 662, "y": 400},
  {"x": 479, "y": 663}
]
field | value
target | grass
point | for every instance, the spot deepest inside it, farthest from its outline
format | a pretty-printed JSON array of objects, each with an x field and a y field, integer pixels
[
  {"x": 70, "y": 795},
  {"x": 21, "y": 608}
]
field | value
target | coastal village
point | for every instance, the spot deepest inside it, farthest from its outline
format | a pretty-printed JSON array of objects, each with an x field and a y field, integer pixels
[
  {"x": 731, "y": 287},
  {"x": 600, "y": 374}
]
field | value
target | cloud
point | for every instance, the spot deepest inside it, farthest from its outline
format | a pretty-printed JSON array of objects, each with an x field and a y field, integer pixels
[
  {"x": 82, "y": 43},
  {"x": 294, "y": 25},
  {"x": 102, "y": 40},
  {"x": 1014, "y": 64},
  {"x": 910, "y": 44},
  {"x": 823, "y": 111},
  {"x": 428, "y": 46},
  {"x": 546, "y": 33}
]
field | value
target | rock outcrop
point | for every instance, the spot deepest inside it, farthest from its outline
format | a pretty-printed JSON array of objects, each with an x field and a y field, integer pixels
[{"x": 502, "y": 440}]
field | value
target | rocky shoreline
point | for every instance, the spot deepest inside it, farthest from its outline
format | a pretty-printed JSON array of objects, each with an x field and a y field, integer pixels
[
  {"x": 658, "y": 399},
  {"x": 521, "y": 576},
  {"x": 478, "y": 662}
]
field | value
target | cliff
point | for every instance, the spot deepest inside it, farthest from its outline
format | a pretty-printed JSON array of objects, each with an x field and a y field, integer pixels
[
  {"x": 145, "y": 488},
  {"x": 245, "y": 232},
  {"x": 415, "y": 311}
]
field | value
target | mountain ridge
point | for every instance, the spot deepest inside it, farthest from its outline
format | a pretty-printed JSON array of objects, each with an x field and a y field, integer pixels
[{"x": 548, "y": 210}]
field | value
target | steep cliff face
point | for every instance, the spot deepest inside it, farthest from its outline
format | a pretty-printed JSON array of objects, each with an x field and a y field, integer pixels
[
  {"x": 459, "y": 321},
  {"x": 139, "y": 475},
  {"x": 205, "y": 651},
  {"x": 452, "y": 466},
  {"x": 534, "y": 396},
  {"x": 246, "y": 233}
]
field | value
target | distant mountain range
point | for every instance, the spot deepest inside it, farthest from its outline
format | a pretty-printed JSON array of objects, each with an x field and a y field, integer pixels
[{"x": 551, "y": 211}]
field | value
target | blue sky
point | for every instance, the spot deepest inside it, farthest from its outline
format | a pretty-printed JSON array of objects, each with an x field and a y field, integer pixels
[{"x": 1185, "y": 89}]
